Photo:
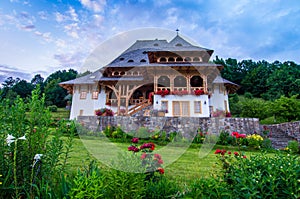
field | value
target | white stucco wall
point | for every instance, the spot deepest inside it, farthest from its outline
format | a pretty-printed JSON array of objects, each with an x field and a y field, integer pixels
[
  {"x": 191, "y": 98},
  {"x": 218, "y": 98},
  {"x": 88, "y": 105}
]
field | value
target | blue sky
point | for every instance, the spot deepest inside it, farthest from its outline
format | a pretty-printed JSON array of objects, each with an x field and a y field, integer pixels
[{"x": 42, "y": 36}]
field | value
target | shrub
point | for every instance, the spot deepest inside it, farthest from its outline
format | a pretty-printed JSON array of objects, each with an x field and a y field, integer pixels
[
  {"x": 293, "y": 146},
  {"x": 255, "y": 140},
  {"x": 208, "y": 188},
  {"x": 262, "y": 176},
  {"x": 32, "y": 161}
]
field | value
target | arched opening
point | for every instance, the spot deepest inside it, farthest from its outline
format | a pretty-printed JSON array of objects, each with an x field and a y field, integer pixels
[
  {"x": 122, "y": 73},
  {"x": 122, "y": 58},
  {"x": 142, "y": 60},
  {"x": 116, "y": 73},
  {"x": 179, "y": 44},
  {"x": 171, "y": 59},
  {"x": 179, "y": 59},
  {"x": 180, "y": 81},
  {"x": 163, "y": 81},
  {"x": 162, "y": 59},
  {"x": 156, "y": 44},
  {"x": 196, "y": 81},
  {"x": 196, "y": 59},
  {"x": 187, "y": 59},
  {"x": 130, "y": 60}
]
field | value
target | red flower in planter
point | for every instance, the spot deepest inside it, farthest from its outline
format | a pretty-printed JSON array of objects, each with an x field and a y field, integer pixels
[{"x": 198, "y": 92}]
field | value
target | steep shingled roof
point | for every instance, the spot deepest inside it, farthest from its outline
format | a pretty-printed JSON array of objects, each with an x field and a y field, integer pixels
[{"x": 134, "y": 55}]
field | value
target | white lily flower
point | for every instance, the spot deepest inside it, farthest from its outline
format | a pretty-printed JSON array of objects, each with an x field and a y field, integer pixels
[
  {"x": 22, "y": 138},
  {"x": 38, "y": 156},
  {"x": 10, "y": 139}
]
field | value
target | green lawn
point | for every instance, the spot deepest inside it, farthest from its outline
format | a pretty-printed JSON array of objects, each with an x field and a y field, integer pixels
[{"x": 183, "y": 167}]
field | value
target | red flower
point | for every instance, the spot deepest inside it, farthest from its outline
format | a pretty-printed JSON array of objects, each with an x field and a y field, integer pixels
[
  {"x": 244, "y": 156},
  {"x": 133, "y": 148},
  {"x": 143, "y": 156},
  {"x": 218, "y": 151},
  {"x": 241, "y": 136},
  {"x": 161, "y": 170},
  {"x": 135, "y": 140},
  {"x": 236, "y": 153},
  {"x": 223, "y": 151},
  {"x": 149, "y": 145},
  {"x": 229, "y": 152}
]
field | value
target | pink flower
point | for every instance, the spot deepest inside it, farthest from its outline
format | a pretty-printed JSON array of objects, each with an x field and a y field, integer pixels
[
  {"x": 143, "y": 156},
  {"x": 160, "y": 161},
  {"x": 135, "y": 140},
  {"x": 133, "y": 148},
  {"x": 157, "y": 156}
]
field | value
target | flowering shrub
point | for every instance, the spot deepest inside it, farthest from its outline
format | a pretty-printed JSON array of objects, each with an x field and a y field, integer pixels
[
  {"x": 255, "y": 140},
  {"x": 104, "y": 112},
  {"x": 151, "y": 162},
  {"x": 263, "y": 176}
]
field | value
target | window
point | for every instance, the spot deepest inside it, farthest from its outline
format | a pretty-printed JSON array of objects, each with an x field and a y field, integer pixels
[
  {"x": 181, "y": 108},
  {"x": 221, "y": 88},
  {"x": 225, "y": 105},
  {"x": 164, "y": 105},
  {"x": 83, "y": 95},
  {"x": 80, "y": 112},
  {"x": 197, "y": 107},
  {"x": 95, "y": 95}
]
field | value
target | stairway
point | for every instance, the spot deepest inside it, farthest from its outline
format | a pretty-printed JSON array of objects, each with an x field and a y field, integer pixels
[
  {"x": 139, "y": 108},
  {"x": 280, "y": 139}
]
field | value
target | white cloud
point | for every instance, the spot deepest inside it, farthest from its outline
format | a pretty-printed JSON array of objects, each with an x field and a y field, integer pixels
[
  {"x": 43, "y": 15},
  {"x": 59, "y": 17},
  {"x": 94, "y": 5},
  {"x": 46, "y": 36},
  {"x": 73, "y": 14}
]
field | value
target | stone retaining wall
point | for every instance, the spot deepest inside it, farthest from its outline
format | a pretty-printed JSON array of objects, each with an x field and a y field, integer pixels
[
  {"x": 170, "y": 124},
  {"x": 291, "y": 129}
]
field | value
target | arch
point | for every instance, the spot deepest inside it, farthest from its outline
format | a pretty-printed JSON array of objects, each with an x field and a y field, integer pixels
[
  {"x": 130, "y": 60},
  {"x": 162, "y": 59},
  {"x": 156, "y": 44},
  {"x": 143, "y": 60},
  {"x": 179, "y": 44},
  {"x": 171, "y": 59},
  {"x": 116, "y": 73},
  {"x": 179, "y": 59},
  {"x": 196, "y": 59},
  {"x": 122, "y": 73},
  {"x": 121, "y": 58},
  {"x": 163, "y": 81},
  {"x": 196, "y": 81},
  {"x": 180, "y": 81},
  {"x": 187, "y": 59}
]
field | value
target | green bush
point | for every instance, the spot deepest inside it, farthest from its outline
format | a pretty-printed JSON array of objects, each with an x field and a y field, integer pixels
[
  {"x": 208, "y": 188},
  {"x": 32, "y": 162},
  {"x": 263, "y": 176},
  {"x": 293, "y": 146}
]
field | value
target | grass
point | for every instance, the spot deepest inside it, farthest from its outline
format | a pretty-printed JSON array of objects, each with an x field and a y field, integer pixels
[
  {"x": 61, "y": 113},
  {"x": 180, "y": 164}
]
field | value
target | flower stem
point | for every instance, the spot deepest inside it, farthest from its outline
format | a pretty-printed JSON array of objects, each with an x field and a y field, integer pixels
[{"x": 15, "y": 167}]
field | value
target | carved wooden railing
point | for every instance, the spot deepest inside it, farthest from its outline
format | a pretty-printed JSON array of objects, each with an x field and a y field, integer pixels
[{"x": 138, "y": 107}]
